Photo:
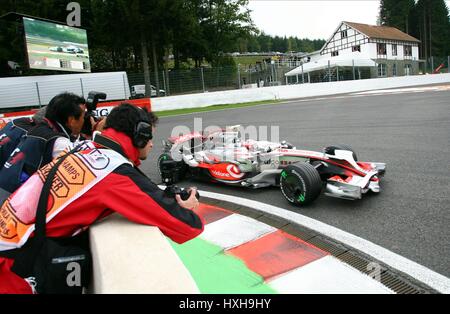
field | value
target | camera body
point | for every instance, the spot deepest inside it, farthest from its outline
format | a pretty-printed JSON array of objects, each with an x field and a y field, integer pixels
[
  {"x": 93, "y": 99},
  {"x": 91, "y": 106},
  {"x": 173, "y": 190}
]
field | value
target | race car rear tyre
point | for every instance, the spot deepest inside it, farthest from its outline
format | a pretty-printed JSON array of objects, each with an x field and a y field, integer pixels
[
  {"x": 300, "y": 184},
  {"x": 331, "y": 149},
  {"x": 171, "y": 171}
]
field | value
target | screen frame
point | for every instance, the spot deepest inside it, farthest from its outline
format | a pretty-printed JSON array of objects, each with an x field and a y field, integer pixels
[{"x": 26, "y": 48}]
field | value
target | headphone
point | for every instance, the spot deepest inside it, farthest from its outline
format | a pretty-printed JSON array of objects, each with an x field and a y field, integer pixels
[{"x": 143, "y": 130}]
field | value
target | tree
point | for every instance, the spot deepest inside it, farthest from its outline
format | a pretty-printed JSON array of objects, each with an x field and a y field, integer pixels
[
  {"x": 397, "y": 13},
  {"x": 223, "y": 22},
  {"x": 432, "y": 27}
]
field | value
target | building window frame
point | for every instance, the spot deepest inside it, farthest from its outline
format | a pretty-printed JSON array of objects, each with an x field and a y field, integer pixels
[
  {"x": 394, "y": 69},
  {"x": 381, "y": 49},
  {"x": 407, "y": 51},
  {"x": 408, "y": 69},
  {"x": 356, "y": 48},
  {"x": 394, "y": 50},
  {"x": 335, "y": 53},
  {"x": 382, "y": 70},
  {"x": 344, "y": 34}
]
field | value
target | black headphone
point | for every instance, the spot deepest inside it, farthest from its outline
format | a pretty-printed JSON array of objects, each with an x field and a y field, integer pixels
[{"x": 143, "y": 130}]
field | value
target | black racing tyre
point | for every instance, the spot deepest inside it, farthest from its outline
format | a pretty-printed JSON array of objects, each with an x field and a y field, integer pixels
[
  {"x": 174, "y": 174},
  {"x": 330, "y": 150},
  {"x": 300, "y": 184}
]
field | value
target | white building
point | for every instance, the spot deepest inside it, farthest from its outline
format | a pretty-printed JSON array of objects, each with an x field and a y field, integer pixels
[{"x": 357, "y": 51}]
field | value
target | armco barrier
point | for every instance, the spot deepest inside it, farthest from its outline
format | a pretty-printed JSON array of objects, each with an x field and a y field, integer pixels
[
  {"x": 135, "y": 259},
  {"x": 292, "y": 91}
]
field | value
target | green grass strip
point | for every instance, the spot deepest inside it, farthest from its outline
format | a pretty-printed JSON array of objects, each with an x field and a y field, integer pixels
[
  {"x": 177, "y": 112},
  {"x": 218, "y": 273}
]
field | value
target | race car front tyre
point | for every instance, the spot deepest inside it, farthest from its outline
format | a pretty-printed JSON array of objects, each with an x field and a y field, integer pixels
[
  {"x": 300, "y": 184},
  {"x": 331, "y": 149},
  {"x": 171, "y": 171}
]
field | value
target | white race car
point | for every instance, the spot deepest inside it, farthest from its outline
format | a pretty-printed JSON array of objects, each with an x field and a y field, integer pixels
[{"x": 302, "y": 175}]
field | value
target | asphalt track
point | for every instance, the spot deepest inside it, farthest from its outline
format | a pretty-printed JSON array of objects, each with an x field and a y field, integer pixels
[{"x": 408, "y": 131}]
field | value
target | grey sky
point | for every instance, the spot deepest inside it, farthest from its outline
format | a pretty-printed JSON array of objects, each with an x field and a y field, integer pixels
[{"x": 311, "y": 19}]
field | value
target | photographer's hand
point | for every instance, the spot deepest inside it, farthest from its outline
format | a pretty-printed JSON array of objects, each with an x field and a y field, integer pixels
[
  {"x": 98, "y": 125},
  {"x": 192, "y": 203}
]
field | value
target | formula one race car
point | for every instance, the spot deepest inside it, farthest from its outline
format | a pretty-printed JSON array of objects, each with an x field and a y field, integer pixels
[{"x": 222, "y": 156}]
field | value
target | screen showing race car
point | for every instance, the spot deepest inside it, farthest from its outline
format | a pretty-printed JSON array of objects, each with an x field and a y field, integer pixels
[{"x": 57, "y": 47}]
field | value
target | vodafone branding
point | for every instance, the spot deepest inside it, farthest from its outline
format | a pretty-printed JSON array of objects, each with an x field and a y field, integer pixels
[{"x": 227, "y": 172}]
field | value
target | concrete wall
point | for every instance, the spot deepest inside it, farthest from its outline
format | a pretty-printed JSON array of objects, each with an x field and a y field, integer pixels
[
  {"x": 135, "y": 259},
  {"x": 292, "y": 91}
]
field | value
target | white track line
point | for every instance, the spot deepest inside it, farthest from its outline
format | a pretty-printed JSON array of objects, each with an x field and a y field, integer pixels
[
  {"x": 235, "y": 230},
  {"x": 400, "y": 263},
  {"x": 327, "y": 275}
]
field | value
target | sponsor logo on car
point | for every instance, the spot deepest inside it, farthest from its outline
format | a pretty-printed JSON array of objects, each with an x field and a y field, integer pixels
[{"x": 227, "y": 172}]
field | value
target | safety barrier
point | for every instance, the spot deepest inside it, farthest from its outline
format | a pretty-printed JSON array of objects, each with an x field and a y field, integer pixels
[
  {"x": 130, "y": 258},
  {"x": 292, "y": 91}
]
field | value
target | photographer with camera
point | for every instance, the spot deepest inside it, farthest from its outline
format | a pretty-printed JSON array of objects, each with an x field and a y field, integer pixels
[
  {"x": 111, "y": 183},
  {"x": 91, "y": 121},
  {"x": 58, "y": 131}
]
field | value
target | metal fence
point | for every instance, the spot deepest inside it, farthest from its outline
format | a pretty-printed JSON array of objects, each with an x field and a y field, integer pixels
[
  {"x": 202, "y": 80},
  {"x": 436, "y": 65}
]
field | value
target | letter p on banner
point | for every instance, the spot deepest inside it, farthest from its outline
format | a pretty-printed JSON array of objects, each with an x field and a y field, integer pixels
[{"x": 74, "y": 17}]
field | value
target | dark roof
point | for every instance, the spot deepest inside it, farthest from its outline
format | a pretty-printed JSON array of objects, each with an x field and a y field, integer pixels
[{"x": 382, "y": 32}]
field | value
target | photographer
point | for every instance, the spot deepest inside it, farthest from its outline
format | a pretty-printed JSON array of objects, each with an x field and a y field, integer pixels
[
  {"x": 116, "y": 186},
  {"x": 58, "y": 131}
]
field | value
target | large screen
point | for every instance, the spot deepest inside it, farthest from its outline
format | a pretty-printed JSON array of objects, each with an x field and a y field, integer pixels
[{"x": 56, "y": 47}]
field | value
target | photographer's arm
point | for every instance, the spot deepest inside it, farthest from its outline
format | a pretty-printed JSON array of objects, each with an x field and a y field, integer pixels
[{"x": 140, "y": 200}]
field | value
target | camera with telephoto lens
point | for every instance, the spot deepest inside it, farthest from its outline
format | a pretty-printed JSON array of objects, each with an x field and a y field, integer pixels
[
  {"x": 173, "y": 190},
  {"x": 91, "y": 106}
]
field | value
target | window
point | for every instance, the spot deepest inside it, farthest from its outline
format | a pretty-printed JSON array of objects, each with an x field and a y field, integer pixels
[
  {"x": 408, "y": 69},
  {"x": 344, "y": 34},
  {"x": 335, "y": 53},
  {"x": 381, "y": 48},
  {"x": 394, "y": 50},
  {"x": 394, "y": 69},
  {"x": 381, "y": 70},
  {"x": 407, "y": 50},
  {"x": 356, "y": 48}
]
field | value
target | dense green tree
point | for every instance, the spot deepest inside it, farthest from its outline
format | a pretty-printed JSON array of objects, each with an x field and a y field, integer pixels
[
  {"x": 427, "y": 20},
  {"x": 397, "y": 13},
  {"x": 432, "y": 27}
]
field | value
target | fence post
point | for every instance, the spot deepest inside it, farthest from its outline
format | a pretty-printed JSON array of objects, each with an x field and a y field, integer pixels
[
  {"x": 353, "y": 66},
  {"x": 432, "y": 64},
  {"x": 329, "y": 71},
  {"x": 337, "y": 73},
  {"x": 38, "y": 94},
  {"x": 239, "y": 76},
  {"x": 448, "y": 64},
  {"x": 125, "y": 87},
  {"x": 164, "y": 81},
  {"x": 303, "y": 75},
  {"x": 168, "y": 82},
  {"x": 82, "y": 87},
  {"x": 297, "y": 79},
  {"x": 275, "y": 67},
  {"x": 203, "y": 80}
]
